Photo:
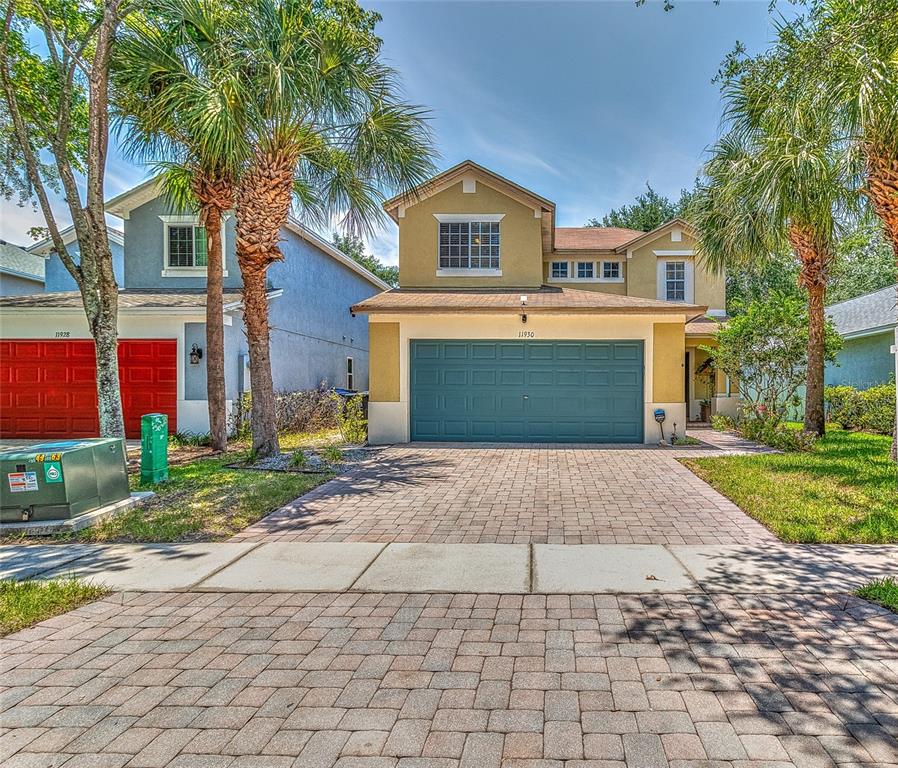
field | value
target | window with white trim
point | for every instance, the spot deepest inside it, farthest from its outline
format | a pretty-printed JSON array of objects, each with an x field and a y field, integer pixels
[
  {"x": 675, "y": 280},
  {"x": 350, "y": 377},
  {"x": 611, "y": 270},
  {"x": 585, "y": 270},
  {"x": 469, "y": 245},
  {"x": 559, "y": 269},
  {"x": 186, "y": 245}
]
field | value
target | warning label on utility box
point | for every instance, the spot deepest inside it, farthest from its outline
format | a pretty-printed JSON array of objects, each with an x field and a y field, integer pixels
[{"x": 19, "y": 482}]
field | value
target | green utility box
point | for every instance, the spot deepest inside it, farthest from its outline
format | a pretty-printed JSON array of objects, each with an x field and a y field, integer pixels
[
  {"x": 153, "y": 448},
  {"x": 61, "y": 480}
]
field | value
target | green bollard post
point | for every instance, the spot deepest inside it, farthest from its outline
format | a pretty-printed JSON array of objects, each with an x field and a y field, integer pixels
[{"x": 153, "y": 448}]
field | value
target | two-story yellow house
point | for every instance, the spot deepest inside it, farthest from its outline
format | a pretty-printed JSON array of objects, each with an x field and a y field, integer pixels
[{"x": 508, "y": 329}]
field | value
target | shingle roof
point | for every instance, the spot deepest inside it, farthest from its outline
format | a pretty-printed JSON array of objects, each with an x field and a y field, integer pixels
[
  {"x": 593, "y": 238},
  {"x": 17, "y": 260},
  {"x": 128, "y": 299},
  {"x": 866, "y": 313},
  {"x": 544, "y": 299},
  {"x": 704, "y": 326}
]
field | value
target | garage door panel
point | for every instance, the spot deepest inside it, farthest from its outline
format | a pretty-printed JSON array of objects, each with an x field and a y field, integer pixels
[
  {"x": 50, "y": 385},
  {"x": 542, "y": 391}
]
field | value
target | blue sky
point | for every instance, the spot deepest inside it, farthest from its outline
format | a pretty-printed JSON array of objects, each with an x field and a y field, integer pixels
[{"x": 583, "y": 102}]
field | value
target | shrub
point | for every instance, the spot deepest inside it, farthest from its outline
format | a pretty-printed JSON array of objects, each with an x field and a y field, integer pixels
[
  {"x": 299, "y": 459},
  {"x": 303, "y": 411},
  {"x": 351, "y": 418},
  {"x": 871, "y": 410},
  {"x": 331, "y": 454},
  {"x": 774, "y": 433},
  {"x": 722, "y": 423}
]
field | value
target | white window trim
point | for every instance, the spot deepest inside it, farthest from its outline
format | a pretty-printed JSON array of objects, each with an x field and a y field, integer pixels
[
  {"x": 596, "y": 271},
  {"x": 350, "y": 374},
  {"x": 689, "y": 272},
  {"x": 458, "y": 218},
  {"x": 183, "y": 221},
  {"x": 468, "y": 272},
  {"x": 461, "y": 218},
  {"x": 675, "y": 252}
]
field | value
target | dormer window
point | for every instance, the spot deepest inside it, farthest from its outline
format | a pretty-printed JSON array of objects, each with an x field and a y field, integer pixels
[
  {"x": 469, "y": 244},
  {"x": 185, "y": 246}
]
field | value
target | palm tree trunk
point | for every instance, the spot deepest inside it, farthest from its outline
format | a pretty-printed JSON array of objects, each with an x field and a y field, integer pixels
[
  {"x": 882, "y": 189},
  {"x": 255, "y": 316},
  {"x": 263, "y": 203},
  {"x": 815, "y": 258},
  {"x": 216, "y": 196},
  {"x": 215, "y": 378}
]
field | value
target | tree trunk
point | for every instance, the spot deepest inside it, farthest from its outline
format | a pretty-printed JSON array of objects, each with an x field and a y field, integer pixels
[
  {"x": 815, "y": 258},
  {"x": 263, "y": 204},
  {"x": 215, "y": 375},
  {"x": 255, "y": 316},
  {"x": 216, "y": 196},
  {"x": 882, "y": 189}
]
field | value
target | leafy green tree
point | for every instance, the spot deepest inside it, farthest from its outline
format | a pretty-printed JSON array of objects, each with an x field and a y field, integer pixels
[
  {"x": 54, "y": 125},
  {"x": 776, "y": 180},
  {"x": 354, "y": 247},
  {"x": 649, "y": 211},
  {"x": 863, "y": 263},
  {"x": 765, "y": 349},
  {"x": 170, "y": 64}
]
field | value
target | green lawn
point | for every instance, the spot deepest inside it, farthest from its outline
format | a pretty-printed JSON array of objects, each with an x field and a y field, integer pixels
[
  {"x": 23, "y": 603},
  {"x": 884, "y": 592},
  {"x": 843, "y": 491},
  {"x": 204, "y": 501}
]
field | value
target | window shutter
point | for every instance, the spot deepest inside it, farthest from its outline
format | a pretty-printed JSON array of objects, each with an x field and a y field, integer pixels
[{"x": 200, "y": 244}]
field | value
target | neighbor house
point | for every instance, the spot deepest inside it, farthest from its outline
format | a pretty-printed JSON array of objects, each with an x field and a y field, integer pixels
[
  {"x": 506, "y": 328},
  {"x": 21, "y": 272},
  {"x": 868, "y": 326},
  {"x": 47, "y": 376}
]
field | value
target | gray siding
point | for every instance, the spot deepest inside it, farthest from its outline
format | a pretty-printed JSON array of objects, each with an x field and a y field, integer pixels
[
  {"x": 145, "y": 249},
  {"x": 14, "y": 285},
  {"x": 59, "y": 279},
  {"x": 864, "y": 362}
]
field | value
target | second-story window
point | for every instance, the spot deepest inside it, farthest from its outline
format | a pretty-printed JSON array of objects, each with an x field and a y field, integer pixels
[
  {"x": 611, "y": 270},
  {"x": 469, "y": 245},
  {"x": 186, "y": 245},
  {"x": 559, "y": 269},
  {"x": 585, "y": 270},
  {"x": 675, "y": 278}
]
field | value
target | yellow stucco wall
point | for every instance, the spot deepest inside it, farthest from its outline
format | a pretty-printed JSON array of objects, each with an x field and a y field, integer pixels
[
  {"x": 383, "y": 365},
  {"x": 642, "y": 272},
  {"x": 520, "y": 250},
  {"x": 668, "y": 353},
  {"x": 388, "y": 419}
]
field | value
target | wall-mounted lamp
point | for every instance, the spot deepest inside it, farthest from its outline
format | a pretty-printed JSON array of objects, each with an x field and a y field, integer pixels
[
  {"x": 523, "y": 307},
  {"x": 196, "y": 354}
]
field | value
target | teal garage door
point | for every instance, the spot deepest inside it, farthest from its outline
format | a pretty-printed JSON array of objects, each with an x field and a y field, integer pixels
[{"x": 527, "y": 391}]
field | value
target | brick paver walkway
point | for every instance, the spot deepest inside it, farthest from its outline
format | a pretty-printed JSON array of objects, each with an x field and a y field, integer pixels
[
  {"x": 451, "y": 681},
  {"x": 487, "y": 494}
]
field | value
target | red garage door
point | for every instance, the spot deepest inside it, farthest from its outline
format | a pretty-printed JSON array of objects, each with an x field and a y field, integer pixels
[{"x": 49, "y": 388}]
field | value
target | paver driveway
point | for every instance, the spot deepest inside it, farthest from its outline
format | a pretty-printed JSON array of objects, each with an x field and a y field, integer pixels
[
  {"x": 454, "y": 681},
  {"x": 486, "y": 494}
]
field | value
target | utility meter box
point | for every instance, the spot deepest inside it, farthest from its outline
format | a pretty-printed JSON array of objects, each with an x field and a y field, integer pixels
[
  {"x": 63, "y": 479},
  {"x": 153, "y": 447}
]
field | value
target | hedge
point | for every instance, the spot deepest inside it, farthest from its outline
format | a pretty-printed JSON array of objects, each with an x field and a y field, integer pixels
[{"x": 869, "y": 410}]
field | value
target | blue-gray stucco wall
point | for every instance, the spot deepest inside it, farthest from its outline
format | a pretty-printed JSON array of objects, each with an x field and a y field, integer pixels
[
  {"x": 864, "y": 362},
  {"x": 15, "y": 285},
  {"x": 312, "y": 330},
  {"x": 58, "y": 278},
  {"x": 145, "y": 250}
]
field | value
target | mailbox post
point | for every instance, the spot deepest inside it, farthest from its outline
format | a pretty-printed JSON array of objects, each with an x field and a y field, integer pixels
[{"x": 153, "y": 448}]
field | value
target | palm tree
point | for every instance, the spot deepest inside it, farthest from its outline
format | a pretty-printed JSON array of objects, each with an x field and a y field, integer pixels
[
  {"x": 775, "y": 180},
  {"x": 173, "y": 77},
  {"x": 328, "y": 132}
]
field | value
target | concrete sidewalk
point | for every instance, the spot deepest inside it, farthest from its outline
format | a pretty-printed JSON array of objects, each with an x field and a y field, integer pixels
[{"x": 467, "y": 568}]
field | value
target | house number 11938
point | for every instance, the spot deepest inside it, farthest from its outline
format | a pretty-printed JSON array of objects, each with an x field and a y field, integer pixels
[{"x": 526, "y": 334}]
